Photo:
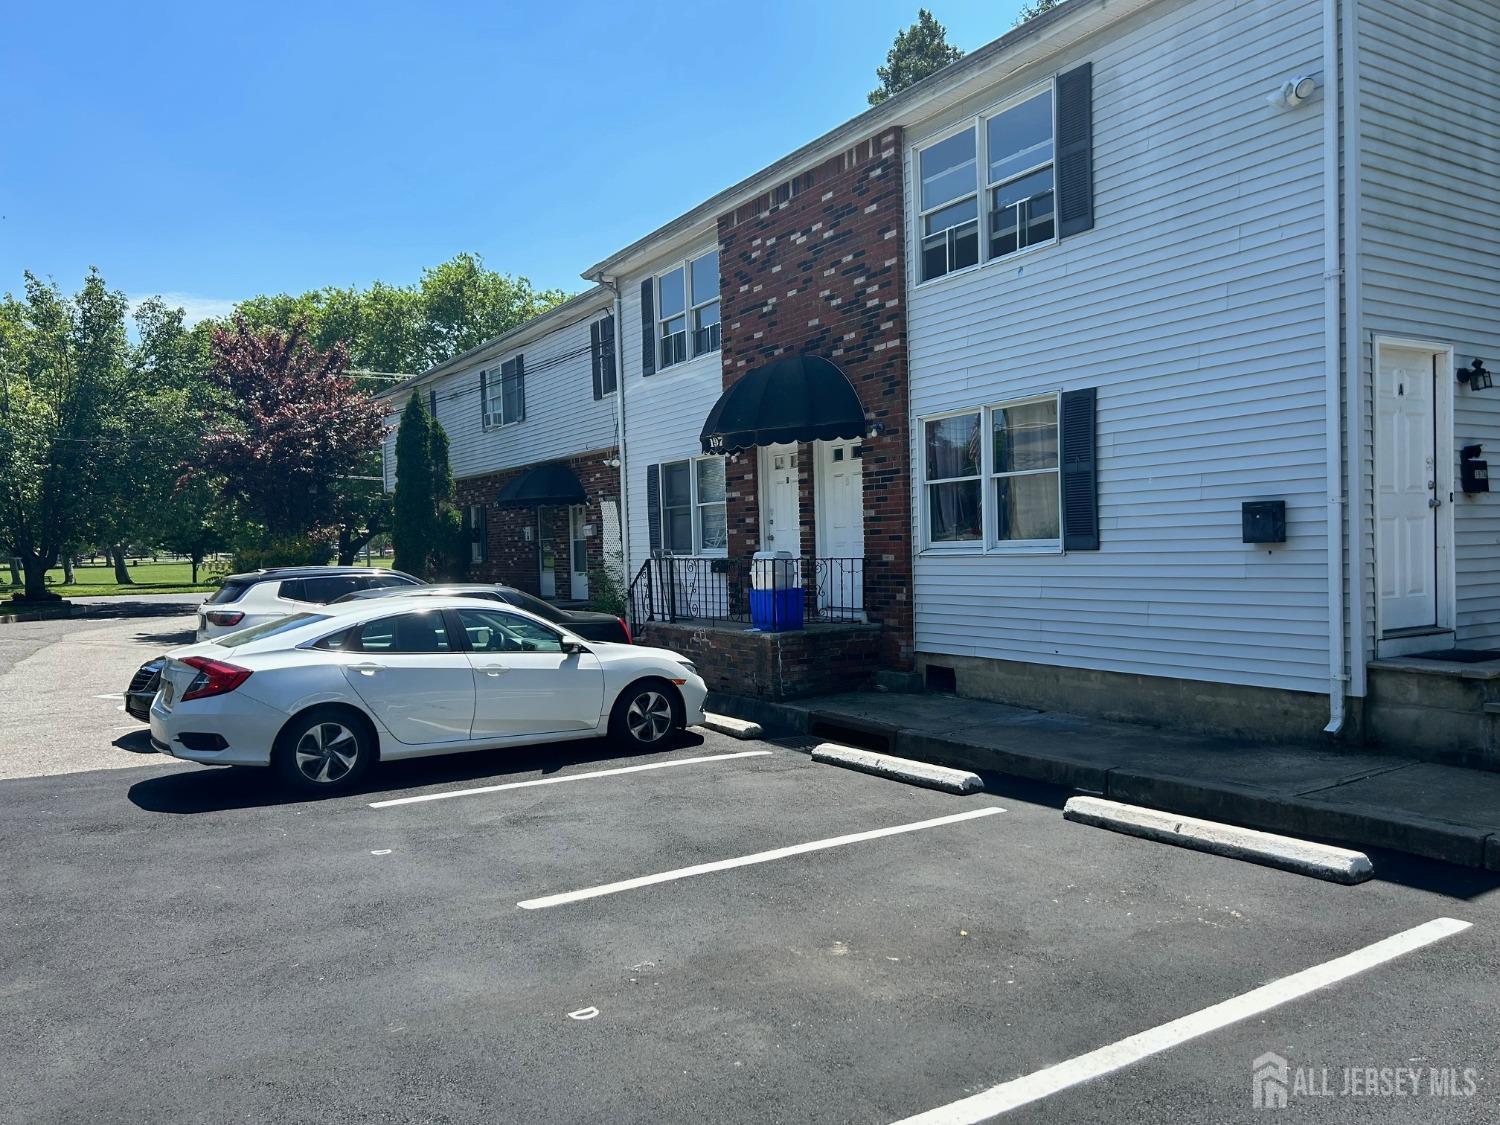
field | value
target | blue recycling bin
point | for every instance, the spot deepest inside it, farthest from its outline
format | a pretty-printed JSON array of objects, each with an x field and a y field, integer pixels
[{"x": 776, "y": 611}]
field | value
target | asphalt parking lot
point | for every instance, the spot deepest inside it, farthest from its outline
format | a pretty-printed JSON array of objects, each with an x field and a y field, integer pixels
[{"x": 558, "y": 935}]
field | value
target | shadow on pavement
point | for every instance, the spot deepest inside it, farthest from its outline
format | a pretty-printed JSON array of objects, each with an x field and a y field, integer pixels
[
  {"x": 174, "y": 639},
  {"x": 202, "y": 789},
  {"x": 137, "y": 742}
]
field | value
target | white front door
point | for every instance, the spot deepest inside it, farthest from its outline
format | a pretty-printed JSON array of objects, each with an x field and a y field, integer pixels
[
  {"x": 1407, "y": 495},
  {"x": 780, "y": 522},
  {"x": 841, "y": 526},
  {"x": 546, "y": 560},
  {"x": 578, "y": 552}
]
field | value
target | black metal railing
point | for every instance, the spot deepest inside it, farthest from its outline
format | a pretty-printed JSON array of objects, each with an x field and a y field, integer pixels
[{"x": 717, "y": 590}]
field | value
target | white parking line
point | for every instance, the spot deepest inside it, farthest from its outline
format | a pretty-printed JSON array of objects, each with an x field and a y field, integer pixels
[
  {"x": 566, "y": 777},
  {"x": 1043, "y": 1083},
  {"x": 747, "y": 860}
]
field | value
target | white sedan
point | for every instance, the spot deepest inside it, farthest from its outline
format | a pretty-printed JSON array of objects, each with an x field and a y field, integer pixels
[{"x": 319, "y": 697}]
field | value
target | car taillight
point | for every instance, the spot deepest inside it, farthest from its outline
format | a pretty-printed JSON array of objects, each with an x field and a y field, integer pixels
[
  {"x": 225, "y": 617},
  {"x": 214, "y": 677},
  {"x": 626, "y": 626}
]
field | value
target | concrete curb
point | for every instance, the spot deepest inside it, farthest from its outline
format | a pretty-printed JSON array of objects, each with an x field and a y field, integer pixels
[
  {"x": 735, "y": 728},
  {"x": 899, "y": 769},
  {"x": 1321, "y": 861}
]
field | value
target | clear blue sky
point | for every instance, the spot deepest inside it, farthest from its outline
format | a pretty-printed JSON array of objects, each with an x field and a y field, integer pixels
[{"x": 216, "y": 151}]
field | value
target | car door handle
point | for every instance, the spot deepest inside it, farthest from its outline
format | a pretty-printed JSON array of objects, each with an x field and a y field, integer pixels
[
  {"x": 493, "y": 669},
  {"x": 366, "y": 669}
]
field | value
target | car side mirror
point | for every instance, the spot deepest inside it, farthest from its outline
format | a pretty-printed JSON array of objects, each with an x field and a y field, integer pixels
[{"x": 573, "y": 648}]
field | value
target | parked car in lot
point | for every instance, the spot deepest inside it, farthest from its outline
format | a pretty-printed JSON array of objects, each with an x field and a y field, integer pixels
[
  {"x": 143, "y": 688},
  {"x": 243, "y": 600},
  {"x": 320, "y": 696},
  {"x": 589, "y": 624}
]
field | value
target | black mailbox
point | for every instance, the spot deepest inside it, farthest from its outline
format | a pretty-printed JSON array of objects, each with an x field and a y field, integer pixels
[
  {"x": 1263, "y": 521},
  {"x": 1473, "y": 474}
]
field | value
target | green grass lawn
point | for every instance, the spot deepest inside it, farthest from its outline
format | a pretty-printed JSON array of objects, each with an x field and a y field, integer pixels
[{"x": 96, "y": 581}]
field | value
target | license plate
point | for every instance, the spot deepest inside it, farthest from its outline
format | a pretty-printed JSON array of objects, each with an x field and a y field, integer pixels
[{"x": 166, "y": 692}]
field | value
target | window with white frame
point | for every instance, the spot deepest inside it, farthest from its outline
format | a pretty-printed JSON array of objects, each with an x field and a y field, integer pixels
[
  {"x": 687, "y": 310},
  {"x": 1023, "y": 469},
  {"x": 992, "y": 476},
  {"x": 954, "y": 465},
  {"x": 503, "y": 393},
  {"x": 693, "y": 519},
  {"x": 1004, "y": 158}
]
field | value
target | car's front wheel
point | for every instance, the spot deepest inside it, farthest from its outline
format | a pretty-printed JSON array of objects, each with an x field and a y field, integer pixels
[
  {"x": 647, "y": 715},
  {"x": 323, "y": 751}
]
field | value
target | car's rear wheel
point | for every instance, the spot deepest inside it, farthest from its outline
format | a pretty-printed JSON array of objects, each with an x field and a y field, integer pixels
[
  {"x": 647, "y": 715},
  {"x": 323, "y": 751}
]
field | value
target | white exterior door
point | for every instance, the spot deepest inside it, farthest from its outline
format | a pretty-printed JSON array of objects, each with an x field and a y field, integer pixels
[
  {"x": 780, "y": 523},
  {"x": 578, "y": 552},
  {"x": 546, "y": 560},
  {"x": 841, "y": 526},
  {"x": 1407, "y": 495}
]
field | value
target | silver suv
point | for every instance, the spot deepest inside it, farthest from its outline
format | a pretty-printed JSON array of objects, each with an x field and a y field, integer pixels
[{"x": 243, "y": 600}]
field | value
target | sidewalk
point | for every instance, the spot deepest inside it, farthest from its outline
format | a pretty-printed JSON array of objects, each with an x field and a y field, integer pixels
[{"x": 1354, "y": 797}]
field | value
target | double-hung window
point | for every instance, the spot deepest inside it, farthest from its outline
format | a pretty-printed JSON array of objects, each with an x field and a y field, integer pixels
[
  {"x": 994, "y": 469},
  {"x": 954, "y": 479},
  {"x": 687, "y": 310},
  {"x": 693, "y": 519},
  {"x": 1003, "y": 161},
  {"x": 504, "y": 393}
]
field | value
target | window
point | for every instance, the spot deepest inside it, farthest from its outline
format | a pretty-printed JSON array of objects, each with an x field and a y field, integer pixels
[
  {"x": 693, "y": 517},
  {"x": 479, "y": 533},
  {"x": 1017, "y": 460},
  {"x": 687, "y": 310},
  {"x": 490, "y": 630},
  {"x": 1007, "y": 158},
  {"x": 1023, "y": 465},
  {"x": 410, "y": 633},
  {"x": 503, "y": 393},
  {"x": 953, "y": 479}
]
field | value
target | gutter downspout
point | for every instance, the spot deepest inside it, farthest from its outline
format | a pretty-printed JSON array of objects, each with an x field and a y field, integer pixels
[
  {"x": 1354, "y": 347},
  {"x": 1333, "y": 383}
]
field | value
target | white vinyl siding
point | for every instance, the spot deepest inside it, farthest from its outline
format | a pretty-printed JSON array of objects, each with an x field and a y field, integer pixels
[
  {"x": 562, "y": 417},
  {"x": 1430, "y": 225},
  {"x": 1194, "y": 306}
]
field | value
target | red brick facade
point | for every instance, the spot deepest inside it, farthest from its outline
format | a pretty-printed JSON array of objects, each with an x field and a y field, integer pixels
[
  {"x": 818, "y": 268},
  {"x": 817, "y": 661},
  {"x": 515, "y": 561}
]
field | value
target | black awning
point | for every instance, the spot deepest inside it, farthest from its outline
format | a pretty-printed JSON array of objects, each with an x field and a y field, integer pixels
[
  {"x": 795, "y": 398},
  {"x": 554, "y": 483}
]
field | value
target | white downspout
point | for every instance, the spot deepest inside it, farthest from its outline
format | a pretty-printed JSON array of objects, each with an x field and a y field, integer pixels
[
  {"x": 1354, "y": 347},
  {"x": 1333, "y": 406}
]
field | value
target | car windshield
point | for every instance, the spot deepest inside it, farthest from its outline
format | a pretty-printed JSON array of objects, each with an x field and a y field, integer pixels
[
  {"x": 534, "y": 605},
  {"x": 228, "y": 592},
  {"x": 269, "y": 629}
]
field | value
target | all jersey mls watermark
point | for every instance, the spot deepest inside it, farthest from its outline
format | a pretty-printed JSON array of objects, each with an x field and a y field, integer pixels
[{"x": 1274, "y": 1081}]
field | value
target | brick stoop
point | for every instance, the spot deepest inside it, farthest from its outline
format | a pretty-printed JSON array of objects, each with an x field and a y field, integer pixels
[{"x": 737, "y": 659}]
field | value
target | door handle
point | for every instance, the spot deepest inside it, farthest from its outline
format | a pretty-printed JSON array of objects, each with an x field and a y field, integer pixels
[
  {"x": 366, "y": 669},
  {"x": 493, "y": 669}
]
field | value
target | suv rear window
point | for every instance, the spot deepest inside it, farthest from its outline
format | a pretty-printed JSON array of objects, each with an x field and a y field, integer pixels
[
  {"x": 229, "y": 592},
  {"x": 321, "y": 591}
]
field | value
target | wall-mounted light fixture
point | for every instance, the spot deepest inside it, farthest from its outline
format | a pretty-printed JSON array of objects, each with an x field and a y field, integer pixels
[
  {"x": 1477, "y": 378},
  {"x": 1293, "y": 93},
  {"x": 874, "y": 428}
]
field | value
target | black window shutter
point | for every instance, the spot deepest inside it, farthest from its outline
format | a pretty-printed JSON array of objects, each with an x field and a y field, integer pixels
[
  {"x": 596, "y": 358},
  {"x": 484, "y": 398},
  {"x": 520, "y": 362},
  {"x": 648, "y": 326},
  {"x": 607, "y": 376},
  {"x": 653, "y": 506},
  {"x": 1075, "y": 150},
  {"x": 482, "y": 531},
  {"x": 432, "y": 401},
  {"x": 1080, "y": 497}
]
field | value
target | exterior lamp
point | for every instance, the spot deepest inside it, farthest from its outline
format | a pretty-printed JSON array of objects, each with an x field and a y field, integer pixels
[{"x": 1475, "y": 376}]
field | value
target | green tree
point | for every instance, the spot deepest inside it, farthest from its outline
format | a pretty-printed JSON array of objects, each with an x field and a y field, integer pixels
[
  {"x": 1035, "y": 8},
  {"x": 65, "y": 401},
  {"x": 918, "y": 51},
  {"x": 412, "y": 520}
]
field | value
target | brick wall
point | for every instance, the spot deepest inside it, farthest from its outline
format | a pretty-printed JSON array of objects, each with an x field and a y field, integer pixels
[
  {"x": 511, "y": 559},
  {"x": 819, "y": 661},
  {"x": 817, "y": 267}
]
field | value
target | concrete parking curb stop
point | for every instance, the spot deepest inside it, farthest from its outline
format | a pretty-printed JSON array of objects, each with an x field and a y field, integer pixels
[
  {"x": 735, "y": 728},
  {"x": 899, "y": 769},
  {"x": 1412, "y": 814},
  {"x": 1321, "y": 861}
]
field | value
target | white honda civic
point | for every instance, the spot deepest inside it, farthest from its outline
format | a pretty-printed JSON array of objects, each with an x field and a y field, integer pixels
[{"x": 319, "y": 697}]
